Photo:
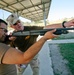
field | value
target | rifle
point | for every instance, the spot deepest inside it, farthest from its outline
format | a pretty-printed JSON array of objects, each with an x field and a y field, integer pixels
[{"x": 58, "y": 31}]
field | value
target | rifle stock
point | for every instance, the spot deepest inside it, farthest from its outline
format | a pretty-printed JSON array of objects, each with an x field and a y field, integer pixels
[{"x": 58, "y": 31}]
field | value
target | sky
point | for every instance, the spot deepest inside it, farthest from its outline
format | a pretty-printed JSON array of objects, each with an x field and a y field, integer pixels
[{"x": 59, "y": 9}]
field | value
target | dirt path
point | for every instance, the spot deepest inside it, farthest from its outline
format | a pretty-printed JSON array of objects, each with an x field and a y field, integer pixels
[{"x": 59, "y": 64}]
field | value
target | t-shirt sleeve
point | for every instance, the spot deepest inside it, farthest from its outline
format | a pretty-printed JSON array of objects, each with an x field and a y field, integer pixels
[{"x": 3, "y": 49}]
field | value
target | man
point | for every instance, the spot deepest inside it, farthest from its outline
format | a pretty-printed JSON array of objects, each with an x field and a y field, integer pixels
[
  {"x": 23, "y": 43},
  {"x": 10, "y": 56}
]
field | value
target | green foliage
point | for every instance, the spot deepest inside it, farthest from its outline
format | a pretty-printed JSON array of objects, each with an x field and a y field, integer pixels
[{"x": 67, "y": 51}]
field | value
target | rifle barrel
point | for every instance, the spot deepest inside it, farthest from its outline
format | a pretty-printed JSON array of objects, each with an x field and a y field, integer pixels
[{"x": 41, "y": 32}]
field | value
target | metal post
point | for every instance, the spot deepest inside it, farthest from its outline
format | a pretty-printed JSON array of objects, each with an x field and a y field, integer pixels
[{"x": 44, "y": 15}]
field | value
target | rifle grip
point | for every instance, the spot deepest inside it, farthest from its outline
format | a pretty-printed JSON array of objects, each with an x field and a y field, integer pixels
[{"x": 59, "y": 32}]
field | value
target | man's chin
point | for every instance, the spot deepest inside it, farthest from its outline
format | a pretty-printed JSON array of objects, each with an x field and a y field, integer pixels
[
  {"x": 3, "y": 39},
  {"x": 6, "y": 40}
]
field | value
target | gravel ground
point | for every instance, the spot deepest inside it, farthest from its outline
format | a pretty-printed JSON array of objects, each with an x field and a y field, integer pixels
[{"x": 59, "y": 64}]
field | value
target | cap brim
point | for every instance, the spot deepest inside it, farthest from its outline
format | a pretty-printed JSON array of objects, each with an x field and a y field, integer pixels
[{"x": 15, "y": 21}]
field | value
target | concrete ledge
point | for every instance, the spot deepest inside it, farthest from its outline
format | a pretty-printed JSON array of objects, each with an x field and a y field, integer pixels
[{"x": 60, "y": 41}]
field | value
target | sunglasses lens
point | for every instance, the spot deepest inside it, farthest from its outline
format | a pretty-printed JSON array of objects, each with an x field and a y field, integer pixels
[
  {"x": 16, "y": 23},
  {"x": 5, "y": 30}
]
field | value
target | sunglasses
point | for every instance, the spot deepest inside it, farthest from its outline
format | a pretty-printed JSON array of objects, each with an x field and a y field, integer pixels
[
  {"x": 16, "y": 23},
  {"x": 5, "y": 30}
]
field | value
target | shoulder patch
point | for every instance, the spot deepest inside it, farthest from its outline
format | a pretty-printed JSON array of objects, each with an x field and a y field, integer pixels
[{"x": 27, "y": 37}]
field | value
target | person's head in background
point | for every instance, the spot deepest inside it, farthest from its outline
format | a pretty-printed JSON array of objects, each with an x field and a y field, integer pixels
[
  {"x": 15, "y": 22},
  {"x": 3, "y": 30}
]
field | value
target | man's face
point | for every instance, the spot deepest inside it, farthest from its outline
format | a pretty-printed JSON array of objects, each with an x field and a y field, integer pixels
[
  {"x": 17, "y": 26},
  {"x": 3, "y": 31}
]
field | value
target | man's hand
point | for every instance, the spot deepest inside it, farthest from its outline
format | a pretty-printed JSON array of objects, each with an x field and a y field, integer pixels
[
  {"x": 50, "y": 35},
  {"x": 69, "y": 23},
  {"x": 12, "y": 38}
]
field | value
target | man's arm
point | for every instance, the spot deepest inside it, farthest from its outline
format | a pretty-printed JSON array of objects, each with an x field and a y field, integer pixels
[
  {"x": 13, "y": 56},
  {"x": 59, "y": 25}
]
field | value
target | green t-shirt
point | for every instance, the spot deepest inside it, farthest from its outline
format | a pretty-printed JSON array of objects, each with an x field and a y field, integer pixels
[{"x": 6, "y": 69}]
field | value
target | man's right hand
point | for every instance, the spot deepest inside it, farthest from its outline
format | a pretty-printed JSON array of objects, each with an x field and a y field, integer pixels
[
  {"x": 50, "y": 35},
  {"x": 12, "y": 38}
]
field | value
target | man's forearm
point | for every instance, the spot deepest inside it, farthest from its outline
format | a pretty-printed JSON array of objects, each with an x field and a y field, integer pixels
[
  {"x": 59, "y": 25},
  {"x": 34, "y": 49}
]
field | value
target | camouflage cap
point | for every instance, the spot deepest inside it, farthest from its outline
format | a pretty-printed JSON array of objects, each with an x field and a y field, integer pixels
[{"x": 12, "y": 19}]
